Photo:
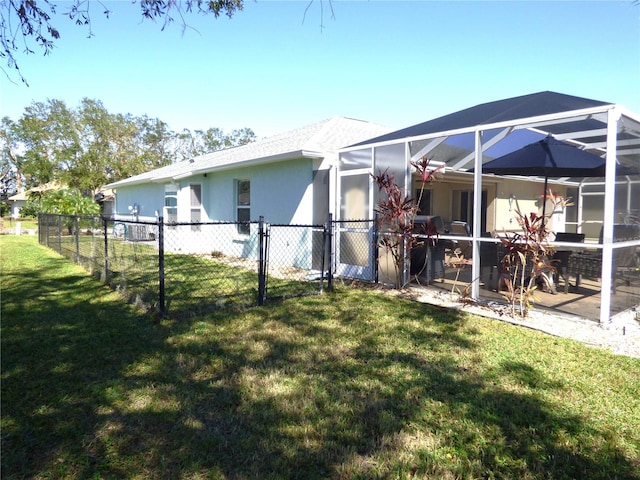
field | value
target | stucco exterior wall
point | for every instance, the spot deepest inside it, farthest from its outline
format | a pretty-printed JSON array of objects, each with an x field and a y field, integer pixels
[
  {"x": 148, "y": 197},
  {"x": 281, "y": 192},
  {"x": 525, "y": 197}
]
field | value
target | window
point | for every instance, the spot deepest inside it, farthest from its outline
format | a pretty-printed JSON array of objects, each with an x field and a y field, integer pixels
[
  {"x": 463, "y": 208},
  {"x": 243, "y": 206},
  {"x": 196, "y": 206},
  {"x": 170, "y": 204}
]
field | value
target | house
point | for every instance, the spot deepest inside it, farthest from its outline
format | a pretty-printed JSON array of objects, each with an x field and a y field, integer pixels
[
  {"x": 285, "y": 178},
  {"x": 19, "y": 200},
  {"x": 300, "y": 177},
  {"x": 105, "y": 198},
  {"x": 463, "y": 141}
]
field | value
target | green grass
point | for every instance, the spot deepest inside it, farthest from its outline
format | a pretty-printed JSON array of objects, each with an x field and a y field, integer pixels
[
  {"x": 26, "y": 223},
  {"x": 194, "y": 284},
  {"x": 353, "y": 384}
]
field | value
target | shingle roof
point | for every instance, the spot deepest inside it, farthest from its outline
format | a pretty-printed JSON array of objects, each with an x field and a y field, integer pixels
[
  {"x": 509, "y": 109},
  {"x": 315, "y": 140}
]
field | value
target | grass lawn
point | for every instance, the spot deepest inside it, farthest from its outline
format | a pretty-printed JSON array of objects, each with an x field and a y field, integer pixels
[
  {"x": 27, "y": 223},
  {"x": 353, "y": 384}
]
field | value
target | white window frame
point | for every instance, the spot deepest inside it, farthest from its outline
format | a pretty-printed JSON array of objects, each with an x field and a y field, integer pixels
[
  {"x": 170, "y": 212},
  {"x": 195, "y": 208},
  {"x": 239, "y": 205}
]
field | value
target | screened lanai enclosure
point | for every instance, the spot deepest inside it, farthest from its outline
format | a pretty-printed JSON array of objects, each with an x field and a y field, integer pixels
[{"x": 594, "y": 221}]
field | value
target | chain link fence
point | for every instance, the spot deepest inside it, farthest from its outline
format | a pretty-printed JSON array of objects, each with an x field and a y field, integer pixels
[{"x": 190, "y": 269}]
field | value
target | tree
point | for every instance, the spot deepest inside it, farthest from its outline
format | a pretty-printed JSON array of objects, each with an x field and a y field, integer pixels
[
  {"x": 83, "y": 148},
  {"x": 199, "y": 142},
  {"x": 10, "y": 160},
  {"x": 88, "y": 147},
  {"x": 49, "y": 139},
  {"x": 28, "y": 24}
]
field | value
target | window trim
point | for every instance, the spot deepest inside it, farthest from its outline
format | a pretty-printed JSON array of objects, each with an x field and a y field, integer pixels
[
  {"x": 242, "y": 229},
  {"x": 192, "y": 208},
  {"x": 170, "y": 212}
]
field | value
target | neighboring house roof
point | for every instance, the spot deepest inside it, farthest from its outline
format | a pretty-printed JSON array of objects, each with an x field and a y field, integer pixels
[
  {"x": 104, "y": 195},
  {"x": 525, "y": 106},
  {"x": 312, "y": 141},
  {"x": 24, "y": 196}
]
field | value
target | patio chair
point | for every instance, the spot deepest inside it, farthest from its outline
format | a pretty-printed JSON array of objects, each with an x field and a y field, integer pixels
[
  {"x": 489, "y": 260},
  {"x": 427, "y": 258},
  {"x": 461, "y": 248},
  {"x": 625, "y": 260},
  {"x": 560, "y": 259}
]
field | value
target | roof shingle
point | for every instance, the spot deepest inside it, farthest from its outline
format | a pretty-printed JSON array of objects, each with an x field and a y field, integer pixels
[{"x": 315, "y": 140}]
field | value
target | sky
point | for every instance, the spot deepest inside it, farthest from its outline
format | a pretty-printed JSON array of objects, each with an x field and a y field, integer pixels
[{"x": 279, "y": 65}]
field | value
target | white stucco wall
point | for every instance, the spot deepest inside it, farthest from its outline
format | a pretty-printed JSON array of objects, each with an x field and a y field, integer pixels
[
  {"x": 148, "y": 197},
  {"x": 281, "y": 192},
  {"x": 526, "y": 195}
]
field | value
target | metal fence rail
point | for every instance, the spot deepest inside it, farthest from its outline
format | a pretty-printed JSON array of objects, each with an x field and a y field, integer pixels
[{"x": 190, "y": 269}]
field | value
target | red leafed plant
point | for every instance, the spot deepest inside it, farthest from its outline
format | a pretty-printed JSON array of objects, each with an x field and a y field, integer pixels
[
  {"x": 526, "y": 264},
  {"x": 397, "y": 212}
]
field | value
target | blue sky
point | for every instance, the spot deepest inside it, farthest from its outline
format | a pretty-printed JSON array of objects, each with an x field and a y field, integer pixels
[{"x": 395, "y": 63}]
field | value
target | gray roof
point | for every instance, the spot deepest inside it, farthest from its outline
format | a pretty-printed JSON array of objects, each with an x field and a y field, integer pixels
[
  {"x": 312, "y": 141},
  {"x": 510, "y": 109}
]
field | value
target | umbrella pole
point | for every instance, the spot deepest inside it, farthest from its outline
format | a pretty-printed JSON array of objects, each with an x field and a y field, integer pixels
[{"x": 544, "y": 200}]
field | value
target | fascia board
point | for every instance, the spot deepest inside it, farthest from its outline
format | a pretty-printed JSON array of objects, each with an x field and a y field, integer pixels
[
  {"x": 628, "y": 113},
  {"x": 142, "y": 181},
  {"x": 176, "y": 177},
  {"x": 260, "y": 161},
  {"x": 125, "y": 183}
]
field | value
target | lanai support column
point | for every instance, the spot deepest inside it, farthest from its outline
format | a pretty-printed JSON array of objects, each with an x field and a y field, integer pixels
[
  {"x": 613, "y": 116},
  {"x": 477, "y": 216}
]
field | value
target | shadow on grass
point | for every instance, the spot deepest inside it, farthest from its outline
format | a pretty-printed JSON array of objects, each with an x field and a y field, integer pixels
[
  {"x": 65, "y": 340},
  {"x": 348, "y": 385}
]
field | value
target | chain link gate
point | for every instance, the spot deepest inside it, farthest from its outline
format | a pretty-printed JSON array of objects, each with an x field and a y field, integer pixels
[{"x": 294, "y": 260}]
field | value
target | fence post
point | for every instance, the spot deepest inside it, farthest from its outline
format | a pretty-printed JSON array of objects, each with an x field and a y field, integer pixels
[
  {"x": 161, "y": 296},
  {"x": 59, "y": 234},
  {"x": 329, "y": 252},
  {"x": 40, "y": 235},
  {"x": 77, "y": 235},
  {"x": 376, "y": 249},
  {"x": 105, "y": 275},
  {"x": 261, "y": 262}
]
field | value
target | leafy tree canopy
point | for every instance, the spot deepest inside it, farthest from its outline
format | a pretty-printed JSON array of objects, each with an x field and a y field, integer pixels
[
  {"x": 27, "y": 25},
  {"x": 88, "y": 147},
  {"x": 63, "y": 202}
]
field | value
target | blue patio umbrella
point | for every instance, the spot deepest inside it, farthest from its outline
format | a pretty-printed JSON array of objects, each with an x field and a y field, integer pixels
[{"x": 548, "y": 158}]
